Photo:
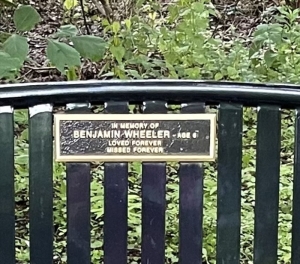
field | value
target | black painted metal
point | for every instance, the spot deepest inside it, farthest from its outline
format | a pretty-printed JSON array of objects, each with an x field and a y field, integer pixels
[
  {"x": 40, "y": 186},
  {"x": 153, "y": 202},
  {"x": 229, "y": 183},
  {"x": 61, "y": 93},
  {"x": 191, "y": 204},
  {"x": 78, "y": 207},
  {"x": 267, "y": 185},
  {"x": 115, "y": 203},
  {"x": 7, "y": 195},
  {"x": 296, "y": 195},
  {"x": 231, "y": 96}
]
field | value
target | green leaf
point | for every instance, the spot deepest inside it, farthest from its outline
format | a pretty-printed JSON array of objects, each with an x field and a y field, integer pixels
[
  {"x": 276, "y": 37},
  {"x": 270, "y": 57},
  {"x": 71, "y": 74},
  {"x": 140, "y": 3},
  {"x": 69, "y": 4},
  {"x": 66, "y": 31},
  {"x": 116, "y": 27},
  {"x": 261, "y": 29},
  {"x": 192, "y": 73},
  {"x": 61, "y": 55},
  {"x": 8, "y": 66},
  {"x": 232, "y": 72},
  {"x": 17, "y": 47},
  {"x": 198, "y": 6},
  {"x": 118, "y": 52},
  {"x": 218, "y": 76},
  {"x": 254, "y": 48},
  {"x": 26, "y": 17},
  {"x": 128, "y": 23},
  {"x": 21, "y": 159},
  {"x": 90, "y": 47},
  {"x": 96, "y": 244},
  {"x": 24, "y": 134},
  {"x": 133, "y": 73}
]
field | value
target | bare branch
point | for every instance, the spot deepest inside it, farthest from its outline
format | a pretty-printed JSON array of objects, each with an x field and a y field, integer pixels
[{"x": 104, "y": 8}]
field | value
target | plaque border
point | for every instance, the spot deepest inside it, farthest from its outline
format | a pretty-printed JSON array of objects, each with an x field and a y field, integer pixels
[{"x": 135, "y": 117}]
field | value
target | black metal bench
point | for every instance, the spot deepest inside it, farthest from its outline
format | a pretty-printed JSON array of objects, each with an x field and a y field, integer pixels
[{"x": 154, "y": 94}]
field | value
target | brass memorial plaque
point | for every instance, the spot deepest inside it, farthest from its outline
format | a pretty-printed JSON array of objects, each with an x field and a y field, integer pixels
[{"x": 135, "y": 137}]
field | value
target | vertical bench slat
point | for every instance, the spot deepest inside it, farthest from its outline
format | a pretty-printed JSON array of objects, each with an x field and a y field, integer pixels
[
  {"x": 115, "y": 202},
  {"x": 40, "y": 184},
  {"x": 230, "y": 126},
  {"x": 267, "y": 185},
  {"x": 191, "y": 204},
  {"x": 296, "y": 195},
  {"x": 153, "y": 202},
  {"x": 7, "y": 195},
  {"x": 78, "y": 204}
]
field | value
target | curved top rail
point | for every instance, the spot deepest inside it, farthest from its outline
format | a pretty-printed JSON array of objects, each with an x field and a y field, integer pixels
[{"x": 181, "y": 91}]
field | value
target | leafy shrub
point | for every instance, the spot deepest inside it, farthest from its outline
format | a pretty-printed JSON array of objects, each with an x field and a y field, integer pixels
[
  {"x": 275, "y": 51},
  {"x": 14, "y": 49}
]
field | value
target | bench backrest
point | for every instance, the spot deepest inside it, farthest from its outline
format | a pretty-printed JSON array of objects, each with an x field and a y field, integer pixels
[{"x": 153, "y": 96}]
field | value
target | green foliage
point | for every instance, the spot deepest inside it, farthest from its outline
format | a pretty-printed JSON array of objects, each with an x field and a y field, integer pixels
[
  {"x": 61, "y": 54},
  {"x": 274, "y": 51},
  {"x": 9, "y": 66},
  {"x": 13, "y": 54},
  {"x": 66, "y": 31},
  {"x": 90, "y": 47},
  {"x": 16, "y": 46},
  {"x": 26, "y": 17},
  {"x": 69, "y": 4}
]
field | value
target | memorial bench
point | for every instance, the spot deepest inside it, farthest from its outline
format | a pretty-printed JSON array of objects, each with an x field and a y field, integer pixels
[{"x": 152, "y": 96}]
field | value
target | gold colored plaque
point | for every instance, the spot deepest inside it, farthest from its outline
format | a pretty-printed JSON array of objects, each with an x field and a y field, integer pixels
[{"x": 135, "y": 137}]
